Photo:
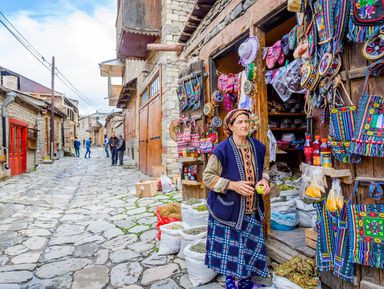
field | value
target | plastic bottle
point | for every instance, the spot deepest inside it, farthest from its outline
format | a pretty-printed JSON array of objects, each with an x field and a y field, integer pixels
[
  {"x": 186, "y": 173},
  {"x": 308, "y": 150},
  {"x": 325, "y": 153},
  {"x": 316, "y": 151}
]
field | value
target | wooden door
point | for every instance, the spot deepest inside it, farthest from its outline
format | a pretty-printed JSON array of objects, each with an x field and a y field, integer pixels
[
  {"x": 154, "y": 154},
  {"x": 143, "y": 139},
  {"x": 17, "y": 147}
]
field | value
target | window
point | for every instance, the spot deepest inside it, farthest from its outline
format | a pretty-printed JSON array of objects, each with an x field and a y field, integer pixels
[{"x": 151, "y": 90}]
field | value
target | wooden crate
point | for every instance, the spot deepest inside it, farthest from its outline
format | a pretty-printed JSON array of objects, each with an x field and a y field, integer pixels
[
  {"x": 310, "y": 238},
  {"x": 146, "y": 189}
]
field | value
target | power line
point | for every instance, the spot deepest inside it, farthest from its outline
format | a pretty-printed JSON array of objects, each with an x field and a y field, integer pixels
[{"x": 35, "y": 53}]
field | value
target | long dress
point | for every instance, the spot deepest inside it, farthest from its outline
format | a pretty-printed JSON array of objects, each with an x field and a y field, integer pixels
[{"x": 232, "y": 252}]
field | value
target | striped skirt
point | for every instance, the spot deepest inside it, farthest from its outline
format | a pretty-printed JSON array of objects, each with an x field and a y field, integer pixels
[{"x": 239, "y": 253}]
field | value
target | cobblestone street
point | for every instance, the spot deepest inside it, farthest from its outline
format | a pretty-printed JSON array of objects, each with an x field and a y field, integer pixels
[{"x": 78, "y": 224}]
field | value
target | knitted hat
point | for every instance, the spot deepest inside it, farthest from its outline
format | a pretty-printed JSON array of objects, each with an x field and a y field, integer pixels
[{"x": 248, "y": 50}]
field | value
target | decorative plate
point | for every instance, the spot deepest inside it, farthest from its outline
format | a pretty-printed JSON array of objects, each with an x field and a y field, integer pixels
[
  {"x": 208, "y": 109},
  {"x": 374, "y": 48}
]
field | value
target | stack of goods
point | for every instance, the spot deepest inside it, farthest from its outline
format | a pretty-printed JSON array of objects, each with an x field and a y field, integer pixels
[
  {"x": 170, "y": 238},
  {"x": 187, "y": 210},
  {"x": 167, "y": 214},
  {"x": 284, "y": 216},
  {"x": 299, "y": 271},
  {"x": 190, "y": 235}
]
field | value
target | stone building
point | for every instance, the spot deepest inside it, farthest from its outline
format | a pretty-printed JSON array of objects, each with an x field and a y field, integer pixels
[
  {"x": 92, "y": 126},
  {"x": 114, "y": 124},
  {"x": 22, "y": 137},
  {"x": 147, "y": 35}
]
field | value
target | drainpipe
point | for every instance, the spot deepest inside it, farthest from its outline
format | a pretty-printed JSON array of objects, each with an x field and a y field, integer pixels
[{"x": 4, "y": 117}]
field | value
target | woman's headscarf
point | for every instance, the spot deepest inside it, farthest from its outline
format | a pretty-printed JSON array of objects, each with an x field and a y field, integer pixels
[{"x": 230, "y": 118}]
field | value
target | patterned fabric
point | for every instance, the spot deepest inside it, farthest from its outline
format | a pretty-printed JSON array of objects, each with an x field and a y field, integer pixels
[
  {"x": 333, "y": 243},
  {"x": 240, "y": 253},
  {"x": 246, "y": 283},
  {"x": 369, "y": 134},
  {"x": 230, "y": 282},
  {"x": 366, "y": 228},
  {"x": 231, "y": 117},
  {"x": 367, "y": 17},
  {"x": 246, "y": 154}
]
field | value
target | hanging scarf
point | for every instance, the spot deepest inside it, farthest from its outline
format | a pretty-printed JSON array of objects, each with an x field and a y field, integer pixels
[
  {"x": 369, "y": 134},
  {"x": 340, "y": 19}
]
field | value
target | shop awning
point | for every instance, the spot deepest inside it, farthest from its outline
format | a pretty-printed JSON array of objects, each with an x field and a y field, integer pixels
[{"x": 127, "y": 92}]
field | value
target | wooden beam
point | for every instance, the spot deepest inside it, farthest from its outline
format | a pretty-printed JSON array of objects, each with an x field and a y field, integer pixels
[{"x": 164, "y": 47}]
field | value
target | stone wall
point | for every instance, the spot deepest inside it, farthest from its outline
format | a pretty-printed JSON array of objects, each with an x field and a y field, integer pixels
[
  {"x": 175, "y": 14},
  {"x": 215, "y": 11}
]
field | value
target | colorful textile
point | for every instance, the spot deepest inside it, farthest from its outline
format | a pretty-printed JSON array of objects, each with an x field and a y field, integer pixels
[
  {"x": 230, "y": 282},
  {"x": 342, "y": 125},
  {"x": 368, "y": 138},
  {"x": 333, "y": 243},
  {"x": 366, "y": 229},
  {"x": 246, "y": 154},
  {"x": 237, "y": 252},
  {"x": 367, "y": 18}
]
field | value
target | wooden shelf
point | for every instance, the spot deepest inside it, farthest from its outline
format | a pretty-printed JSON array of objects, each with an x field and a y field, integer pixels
[
  {"x": 191, "y": 183},
  {"x": 190, "y": 160},
  {"x": 287, "y": 114},
  {"x": 288, "y": 129}
]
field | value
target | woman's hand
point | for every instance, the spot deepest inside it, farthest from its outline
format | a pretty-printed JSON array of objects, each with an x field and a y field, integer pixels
[
  {"x": 265, "y": 184},
  {"x": 242, "y": 188}
]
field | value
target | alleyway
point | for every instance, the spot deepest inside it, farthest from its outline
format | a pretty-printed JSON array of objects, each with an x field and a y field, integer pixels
[{"x": 78, "y": 224}]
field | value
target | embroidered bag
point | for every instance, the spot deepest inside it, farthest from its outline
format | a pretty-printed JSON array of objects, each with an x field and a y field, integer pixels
[
  {"x": 374, "y": 48},
  {"x": 367, "y": 17},
  {"x": 342, "y": 124},
  {"x": 206, "y": 145},
  {"x": 366, "y": 228},
  {"x": 368, "y": 138}
]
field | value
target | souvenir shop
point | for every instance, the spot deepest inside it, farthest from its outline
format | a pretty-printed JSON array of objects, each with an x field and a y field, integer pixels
[{"x": 311, "y": 73}]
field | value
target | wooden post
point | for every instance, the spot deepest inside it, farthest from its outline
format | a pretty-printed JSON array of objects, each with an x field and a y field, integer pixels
[
  {"x": 165, "y": 47},
  {"x": 261, "y": 109}
]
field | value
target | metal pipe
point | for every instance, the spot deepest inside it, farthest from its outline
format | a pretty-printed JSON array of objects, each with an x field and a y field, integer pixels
[{"x": 4, "y": 115}]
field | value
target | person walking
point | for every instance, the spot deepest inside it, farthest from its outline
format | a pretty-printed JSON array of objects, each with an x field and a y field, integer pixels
[
  {"x": 235, "y": 241},
  {"x": 106, "y": 141},
  {"x": 121, "y": 149},
  {"x": 113, "y": 141},
  {"x": 88, "y": 144},
  {"x": 77, "y": 144}
]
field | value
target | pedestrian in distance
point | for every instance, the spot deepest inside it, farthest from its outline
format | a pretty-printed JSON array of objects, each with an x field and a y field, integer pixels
[
  {"x": 76, "y": 145},
  {"x": 121, "y": 149},
  {"x": 88, "y": 144},
  {"x": 83, "y": 142},
  {"x": 113, "y": 142},
  {"x": 236, "y": 176},
  {"x": 106, "y": 141}
]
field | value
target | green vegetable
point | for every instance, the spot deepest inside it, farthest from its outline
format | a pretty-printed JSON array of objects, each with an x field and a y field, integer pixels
[
  {"x": 284, "y": 187},
  {"x": 195, "y": 231},
  {"x": 200, "y": 208},
  {"x": 192, "y": 201},
  {"x": 198, "y": 248}
]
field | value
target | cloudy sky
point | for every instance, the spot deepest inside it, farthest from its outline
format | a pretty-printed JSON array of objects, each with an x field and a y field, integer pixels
[{"x": 79, "y": 33}]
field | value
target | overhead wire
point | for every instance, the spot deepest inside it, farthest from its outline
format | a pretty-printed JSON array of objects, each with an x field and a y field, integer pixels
[{"x": 36, "y": 54}]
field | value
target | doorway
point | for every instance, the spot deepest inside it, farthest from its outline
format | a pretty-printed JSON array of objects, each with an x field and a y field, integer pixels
[{"x": 18, "y": 132}]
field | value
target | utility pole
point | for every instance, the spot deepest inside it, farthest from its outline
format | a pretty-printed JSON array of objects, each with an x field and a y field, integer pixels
[{"x": 52, "y": 132}]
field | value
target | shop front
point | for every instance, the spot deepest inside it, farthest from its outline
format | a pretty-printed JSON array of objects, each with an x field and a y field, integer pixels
[{"x": 303, "y": 72}]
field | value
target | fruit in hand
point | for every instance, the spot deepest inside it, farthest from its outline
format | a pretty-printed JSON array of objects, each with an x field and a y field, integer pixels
[{"x": 260, "y": 189}]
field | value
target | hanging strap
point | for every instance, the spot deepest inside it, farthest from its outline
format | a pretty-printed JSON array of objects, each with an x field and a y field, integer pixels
[
  {"x": 353, "y": 192},
  {"x": 374, "y": 68},
  {"x": 376, "y": 191},
  {"x": 340, "y": 19},
  {"x": 338, "y": 82}
]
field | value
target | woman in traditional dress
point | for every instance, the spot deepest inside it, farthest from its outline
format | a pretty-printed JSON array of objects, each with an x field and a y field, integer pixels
[{"x": 235, "y": 241}]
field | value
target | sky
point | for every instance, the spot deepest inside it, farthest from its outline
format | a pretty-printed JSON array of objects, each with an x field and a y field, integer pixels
[{"x": 79, "y": 33}]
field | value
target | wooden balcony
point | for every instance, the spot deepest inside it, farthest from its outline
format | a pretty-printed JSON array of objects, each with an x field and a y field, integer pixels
[{"x": 138, "y": 24}]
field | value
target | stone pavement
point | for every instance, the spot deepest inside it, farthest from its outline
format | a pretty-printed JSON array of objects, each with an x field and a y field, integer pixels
[{"x": 78, "y": 224}]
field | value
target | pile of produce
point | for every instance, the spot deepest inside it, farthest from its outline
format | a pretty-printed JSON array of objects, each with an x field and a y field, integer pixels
[
  {"x": 198, "y": 248},
  {"x": 299, "y": 271},
  {"x": 200, "y": 208},
  {"x": 175, "y": 226},
  {"x": 284, "y": 187},
  {"x": 192, "y": 201},
  {"x": 195, "y": 230},
  {"x": 171, "y": 210}
]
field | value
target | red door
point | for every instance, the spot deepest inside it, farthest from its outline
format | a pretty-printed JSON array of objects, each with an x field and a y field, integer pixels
[{"x": 18, "y": 131}]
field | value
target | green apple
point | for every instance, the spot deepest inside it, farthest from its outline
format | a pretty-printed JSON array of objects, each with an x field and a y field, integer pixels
[{"x": 260, "y": 189}]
